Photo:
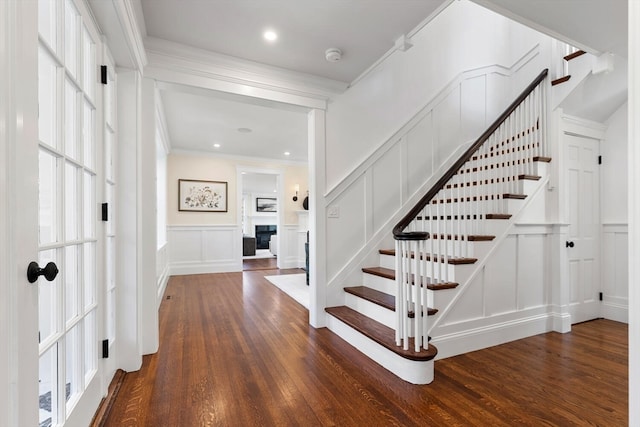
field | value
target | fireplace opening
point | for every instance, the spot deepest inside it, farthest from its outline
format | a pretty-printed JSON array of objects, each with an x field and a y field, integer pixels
[{"x": 263, "y": 234}]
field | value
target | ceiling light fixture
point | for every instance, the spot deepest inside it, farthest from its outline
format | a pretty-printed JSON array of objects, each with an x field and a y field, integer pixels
[
  {"x": 216, "y": 145},
  {"x": 270, "y": 35},
  {"x": 286, "y": 153}
]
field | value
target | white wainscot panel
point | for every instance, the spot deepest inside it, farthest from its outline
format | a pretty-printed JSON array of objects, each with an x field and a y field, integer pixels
[
  {"x": 204, "y": 249},
  {"x": 532, "y": 271},
  {"x": 291, "y": 245},
  {"x": 469, "y": 306},
  {"x": 419, "y": 143},
  {"x": 346, "y": 234},
  {"x": 500, "y": 279},
  {"x": 473, "y": 105},
  {"x": 219, "y": 244},
  {"x": 615, "y": 272},
  {"x": 446, "y": 119},
  {"x": 162, "y": 271},
  {"x": 386, "y": 184}
]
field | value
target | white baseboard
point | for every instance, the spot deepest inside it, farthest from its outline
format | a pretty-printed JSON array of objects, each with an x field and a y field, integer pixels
[
  {"x": 162, "y": 284},
  {"x": 617, "y": 312},
  {"x": 414, "y": 372},
  {"x": 184, "y": 268},
  {"x": 476, "y": 339}
]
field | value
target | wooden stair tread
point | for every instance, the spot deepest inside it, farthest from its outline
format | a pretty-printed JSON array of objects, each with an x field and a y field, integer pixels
[
  {"x": 514, "y": 196},
  {"x": 574, "y": 55},
  {"x": 492, "y": 181},
  {"x": 560, "y": 80},
  {"x": 542, "y": 159},
  {"x": 469, "y": 238},
  {"x": 498, "y": 216},
  {"x": 387, "y": 273},
  {"x": 380, "y": 333},
  {"x": 380, "y": 298},
  {"x": 427, "y": 257}
]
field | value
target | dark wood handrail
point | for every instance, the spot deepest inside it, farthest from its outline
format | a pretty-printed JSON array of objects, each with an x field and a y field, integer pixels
[{"x": 398, "y": 234}]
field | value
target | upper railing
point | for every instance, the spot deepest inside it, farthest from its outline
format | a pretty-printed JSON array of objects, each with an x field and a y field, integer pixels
[{"x": 437, "y": 232}]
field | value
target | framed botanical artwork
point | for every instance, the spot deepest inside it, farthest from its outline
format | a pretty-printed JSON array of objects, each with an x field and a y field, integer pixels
[
  {"x": 202, "y": 196},
  {"x": 266, "y": 204}
]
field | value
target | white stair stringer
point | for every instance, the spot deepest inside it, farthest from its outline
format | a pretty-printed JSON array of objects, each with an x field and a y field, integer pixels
[
  {"x": 539, "y": 320},
  {"x": 412, "y": 371}
]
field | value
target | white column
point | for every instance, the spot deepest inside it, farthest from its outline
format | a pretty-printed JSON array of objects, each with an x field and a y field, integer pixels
[
  {"x": 147, "y": 219},
  {"x": 634, "y": 212},
  {"x": 317, "y": 219},
  {"x": 129, "y": 351}
]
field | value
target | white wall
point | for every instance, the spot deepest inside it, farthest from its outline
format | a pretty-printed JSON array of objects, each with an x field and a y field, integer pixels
[
  {"x": 210, "y": 242},
  {"x": 463, "y": 37},
  {"x": 615, "y": 253}
]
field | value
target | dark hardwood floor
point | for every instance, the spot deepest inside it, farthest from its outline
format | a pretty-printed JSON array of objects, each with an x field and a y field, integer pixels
[
  {"x": 236, "y": 351},
  {"x": 259, "y": 264}
]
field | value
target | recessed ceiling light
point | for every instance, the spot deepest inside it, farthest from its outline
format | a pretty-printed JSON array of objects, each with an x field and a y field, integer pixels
[
  {"x": 216, "y": 145},
  {"x": 270, "y": 35},
  {"x": 286, "y": 153},
  {"x": 244, "y": 130}
]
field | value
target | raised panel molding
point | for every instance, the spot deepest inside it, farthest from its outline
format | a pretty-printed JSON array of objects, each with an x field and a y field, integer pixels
[
  {"x": 204, "y": 249},
  {"x": 615, "y": 272}
]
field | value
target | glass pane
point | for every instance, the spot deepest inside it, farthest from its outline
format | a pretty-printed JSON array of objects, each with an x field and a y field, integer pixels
[
  {"x": 73, "y": 350},
  {"x": 71, "y": 281},
  {"x": 70, "y": 120},
  {"x": 89, "y": 215},
  {"x": 89, "y": 64},
  {"x": 47, "y": 99},
  {"x": 71, "y": 215},
  {"x": 89, "y": 266},
  {"x": 48, "y": 198},
  {"x": 71, "y": 38},
  {"x": 47, "y": 22},
  {"x": 90, "y": 344},
  {"x": 88, "y": 134},
  {"x": 47, "y": 299},
  {"x": 48, "y": 387}
]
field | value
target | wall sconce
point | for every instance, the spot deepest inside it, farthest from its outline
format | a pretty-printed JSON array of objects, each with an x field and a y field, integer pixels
[{"x": 295, "y": 198}]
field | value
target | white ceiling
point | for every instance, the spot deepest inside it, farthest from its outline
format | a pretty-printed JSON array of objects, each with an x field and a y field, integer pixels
[{"x": 363, "y": 29}]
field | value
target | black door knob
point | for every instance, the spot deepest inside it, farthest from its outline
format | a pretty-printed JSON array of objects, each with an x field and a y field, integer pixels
[
  {"x": 50, "y": 271},
  {"x": 569, "y": 244}
]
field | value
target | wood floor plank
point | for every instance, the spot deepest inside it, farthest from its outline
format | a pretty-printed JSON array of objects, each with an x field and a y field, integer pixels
[{"x": 237, "y": 351}]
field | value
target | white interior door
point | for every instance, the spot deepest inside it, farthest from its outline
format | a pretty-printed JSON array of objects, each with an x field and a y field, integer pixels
[
  {"x": 70, "y": 169},
  {"x": 581, "y": 156}
]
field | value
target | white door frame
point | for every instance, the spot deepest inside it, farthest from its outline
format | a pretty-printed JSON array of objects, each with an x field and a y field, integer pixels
[
  {"x": 19, "y": 212},
  {"x": 571, "y": 125}
]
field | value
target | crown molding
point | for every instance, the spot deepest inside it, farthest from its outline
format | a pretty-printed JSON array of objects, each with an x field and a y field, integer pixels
[
  {"x": 267, "y": 160},
  {"x": 125, "y": 11},
  {"x": 165, "y": 56}
]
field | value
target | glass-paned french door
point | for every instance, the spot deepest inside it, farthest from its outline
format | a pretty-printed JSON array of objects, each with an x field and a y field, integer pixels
[{"x": 70, "y": 188}]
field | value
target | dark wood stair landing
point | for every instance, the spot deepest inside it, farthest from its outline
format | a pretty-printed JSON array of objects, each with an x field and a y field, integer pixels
[{"x": 379, "y": 333}]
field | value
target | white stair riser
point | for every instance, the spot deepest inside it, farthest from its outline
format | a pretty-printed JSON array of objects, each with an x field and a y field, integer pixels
[
  {"x": 450, "y": 272},
  {"x": 531, "y": 168},
  {"x": 455, "y": 249},
  {"x": 369, "y": 309}
]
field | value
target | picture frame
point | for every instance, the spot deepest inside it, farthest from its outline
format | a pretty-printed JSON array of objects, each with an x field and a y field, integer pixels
[
  {"x": 202, "y": 196},
  {"x": 266, "y": 204}
]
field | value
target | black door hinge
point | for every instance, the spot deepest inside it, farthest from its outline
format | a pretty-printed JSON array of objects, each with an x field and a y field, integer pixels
[
  {"x": 103, "y": 74},
  {"x": 105, "y": 211},
  {"x": 601, "y": 296},
  {"x": 599, "y": 160},
  {"x": 105, "y": 349}
]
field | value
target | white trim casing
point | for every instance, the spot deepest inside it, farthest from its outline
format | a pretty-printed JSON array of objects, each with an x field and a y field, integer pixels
[{"x": 634, "y": 211}]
